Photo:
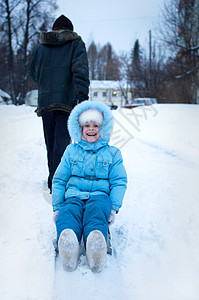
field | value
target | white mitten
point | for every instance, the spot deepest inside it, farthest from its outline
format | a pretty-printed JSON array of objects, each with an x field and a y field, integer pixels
[
  {"x": 112, "y": 215},
  {"x": 55, "y": 214}
]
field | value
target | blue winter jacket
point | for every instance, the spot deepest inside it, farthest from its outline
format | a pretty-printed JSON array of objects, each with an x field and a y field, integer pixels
[{"x": 88, "y": 169}]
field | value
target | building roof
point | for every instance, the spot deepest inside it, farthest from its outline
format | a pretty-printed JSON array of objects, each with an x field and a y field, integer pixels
[
  {"x": 108, "y": 84},
  {"x": 104, "y": 84}
]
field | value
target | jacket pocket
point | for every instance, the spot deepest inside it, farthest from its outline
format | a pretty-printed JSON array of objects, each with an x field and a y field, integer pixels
[
  {"x": 102, "y": 167},
  {"x": 77, "y": 166}
]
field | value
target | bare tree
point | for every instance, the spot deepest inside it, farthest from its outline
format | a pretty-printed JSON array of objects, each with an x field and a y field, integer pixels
[
  {"x": 92, "y": 60},
  {"x": 180, "y": 31},
  {"x": 146, "y": 74},
  {"x": 112, "y": 64},
  {"x": 179, "y": 27},
  {"x": 101, "y": 62},
  {"x": 4, "y": 72},
  {"x": 6, "y": 10},
  {"x": 125, "y": 80},
  {"x": 107, "y": 66},
  {"x": 36, "y": 18},
  {"x": 21, "y": 22}
]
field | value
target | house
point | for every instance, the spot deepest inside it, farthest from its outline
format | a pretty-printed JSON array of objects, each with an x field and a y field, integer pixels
[
  {"x": 5, "y": 98},
  {"x": 31, "y": 98},
  {"x": 109, "y": 91}
]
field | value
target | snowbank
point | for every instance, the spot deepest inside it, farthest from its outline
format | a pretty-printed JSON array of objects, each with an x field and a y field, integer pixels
[{"x": 155, "y": 236}]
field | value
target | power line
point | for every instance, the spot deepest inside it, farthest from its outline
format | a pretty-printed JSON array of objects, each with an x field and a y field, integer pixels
[{"x": 115, "y": 20}]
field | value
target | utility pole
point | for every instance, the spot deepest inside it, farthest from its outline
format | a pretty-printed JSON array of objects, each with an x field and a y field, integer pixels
[{"x": 150, "y": 54}]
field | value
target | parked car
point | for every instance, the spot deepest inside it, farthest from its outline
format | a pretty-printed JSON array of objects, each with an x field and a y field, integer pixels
[
  {"x": 141, "y": 102},
  {"x": 113, "y": 106}
]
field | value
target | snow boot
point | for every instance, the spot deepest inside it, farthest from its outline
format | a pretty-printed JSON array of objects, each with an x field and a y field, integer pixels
[
  {"x": 96, "y": 251},
  {"x": 68, "y": 246}
]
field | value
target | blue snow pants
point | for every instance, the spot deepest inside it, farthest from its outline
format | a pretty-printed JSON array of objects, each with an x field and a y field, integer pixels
[{"x": 84, "y": 216}]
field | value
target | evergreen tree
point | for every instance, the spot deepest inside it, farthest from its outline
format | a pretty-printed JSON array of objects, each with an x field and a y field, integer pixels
[{"x": 136, "y": 55}]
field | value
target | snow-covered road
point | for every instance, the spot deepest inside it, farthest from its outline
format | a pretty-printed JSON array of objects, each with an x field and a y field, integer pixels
[{"x": 155, "y": 236}]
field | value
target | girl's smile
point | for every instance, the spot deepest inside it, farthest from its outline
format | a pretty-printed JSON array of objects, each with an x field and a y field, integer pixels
[{"x": 90, "y": 132}]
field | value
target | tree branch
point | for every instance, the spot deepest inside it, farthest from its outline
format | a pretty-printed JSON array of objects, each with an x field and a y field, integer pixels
[{"x": 187, "y": 73}]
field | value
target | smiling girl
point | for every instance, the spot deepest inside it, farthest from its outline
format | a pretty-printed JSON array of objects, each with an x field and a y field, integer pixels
[{"x": 88, "y": 186}]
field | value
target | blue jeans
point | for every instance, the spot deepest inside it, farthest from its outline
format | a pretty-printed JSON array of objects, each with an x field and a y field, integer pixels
[{"x": 84, "y": 216}]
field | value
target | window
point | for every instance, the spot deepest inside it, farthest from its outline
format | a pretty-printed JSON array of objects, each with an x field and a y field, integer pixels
[
  {"x": 95, "y": 94},
  {"x": 104, "y": 94}
]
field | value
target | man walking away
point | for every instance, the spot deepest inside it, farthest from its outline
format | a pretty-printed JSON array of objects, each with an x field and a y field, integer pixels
[{"x": 59, "y": 67}]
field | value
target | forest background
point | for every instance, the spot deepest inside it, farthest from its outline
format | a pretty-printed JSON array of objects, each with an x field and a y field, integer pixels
[{"x": 167, "y": 70}]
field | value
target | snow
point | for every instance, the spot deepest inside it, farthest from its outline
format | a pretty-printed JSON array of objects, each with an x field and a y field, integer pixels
[
  {"x": 4, "y": 98},
  {"x": 155, "y": 236},
  {"x": 4, "y": 94},
  {"x": 104, "y": 84}
]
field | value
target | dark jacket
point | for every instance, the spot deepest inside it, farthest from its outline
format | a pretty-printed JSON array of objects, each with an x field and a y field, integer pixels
[{"x": 59, "y": 67}]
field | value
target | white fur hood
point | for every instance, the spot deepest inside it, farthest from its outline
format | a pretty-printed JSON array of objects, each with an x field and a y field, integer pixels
[{"x": 107, "y": 125}]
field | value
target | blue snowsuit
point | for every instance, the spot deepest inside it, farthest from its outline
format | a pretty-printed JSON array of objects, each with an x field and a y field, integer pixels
[{"x": 90, "y": 180}]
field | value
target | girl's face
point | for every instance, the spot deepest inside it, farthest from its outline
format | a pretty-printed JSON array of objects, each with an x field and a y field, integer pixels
[{"x": 90, "y": 132}]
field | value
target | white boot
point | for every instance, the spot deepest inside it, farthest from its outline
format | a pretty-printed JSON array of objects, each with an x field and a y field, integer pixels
[
  {"x": 96, "y": 251},
  {"x": 68, "y": 246}
]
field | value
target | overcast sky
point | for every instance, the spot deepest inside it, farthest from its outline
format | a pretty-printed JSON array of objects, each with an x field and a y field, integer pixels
[{"x": 118, "y": 22}]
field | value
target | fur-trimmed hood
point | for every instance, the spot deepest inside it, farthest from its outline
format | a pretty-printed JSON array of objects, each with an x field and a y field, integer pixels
[
  {"x": 54, "y": 37},
  {"x": 73, "y": 124}
]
